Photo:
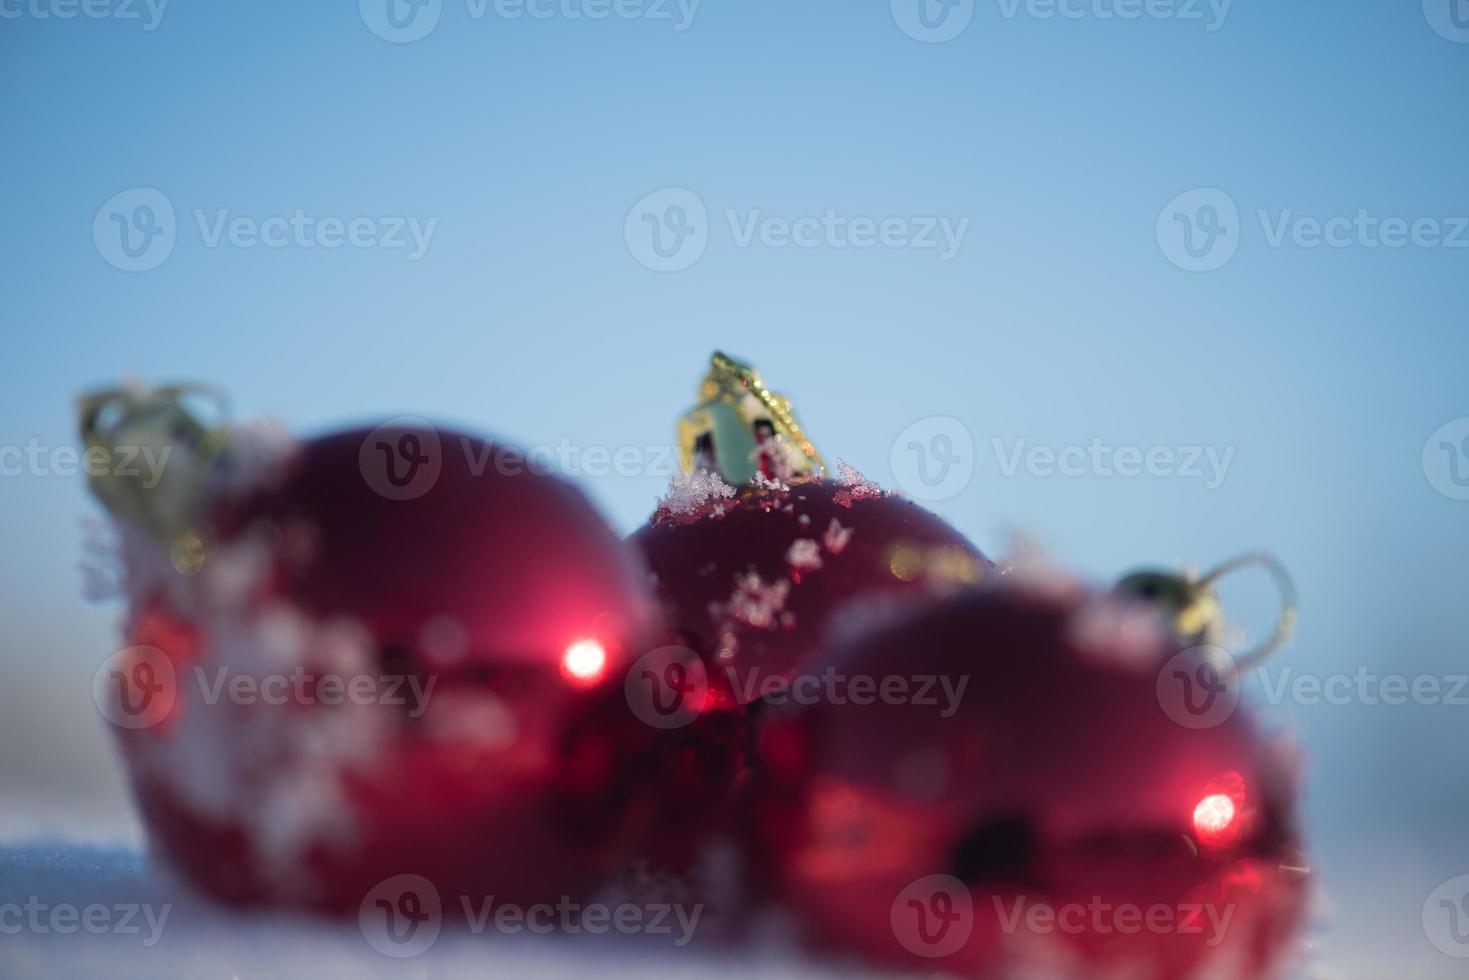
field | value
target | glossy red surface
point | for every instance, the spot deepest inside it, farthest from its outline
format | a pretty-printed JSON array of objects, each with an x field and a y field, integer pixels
[
  {"x": 1059, "y": 798},
  {"x": 735, "y": 591},
  {"x": 479, "y": 585}
]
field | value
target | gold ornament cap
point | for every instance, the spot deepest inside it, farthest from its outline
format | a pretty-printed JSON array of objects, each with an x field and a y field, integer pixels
[{"x": 742, "y": 430}]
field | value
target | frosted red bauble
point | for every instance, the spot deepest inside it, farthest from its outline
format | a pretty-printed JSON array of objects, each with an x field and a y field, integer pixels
[
  {"x": 1059, "y": 816},
  {"x": 400, "y": 556},
  {"x": 756, "y": 581}
]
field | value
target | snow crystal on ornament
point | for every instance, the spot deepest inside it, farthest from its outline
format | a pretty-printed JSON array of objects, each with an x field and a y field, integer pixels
[
  {"x": 692, "y": 491},
  {"x": 804, "y": 554},
  {"x": 836, "y": 537},
  {"x": 857, "y": 485},
  {"x": 763, "y": 482},
  {"x": 755, "y": 602}
]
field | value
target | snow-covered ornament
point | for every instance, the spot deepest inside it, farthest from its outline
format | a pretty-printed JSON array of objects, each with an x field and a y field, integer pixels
[
  {"x": 370, "y": 648},
  {"x": 1036, "y": 795},
  {"x": 757, "y": 551},
  {"x": 759, "y": 557}
]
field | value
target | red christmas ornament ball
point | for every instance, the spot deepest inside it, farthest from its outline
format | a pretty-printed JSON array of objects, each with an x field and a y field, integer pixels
[
  {"x": 753, "y": 580},
  {"x": 751, "y": 583},
  {"x": 1049, "y": 807},
  {"x": 400, "y": 628}
]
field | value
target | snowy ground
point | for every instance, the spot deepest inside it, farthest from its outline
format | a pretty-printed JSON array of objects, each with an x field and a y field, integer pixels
[
  {"x": 129, "y": 923},
  {"x": 82, "y": 911}
]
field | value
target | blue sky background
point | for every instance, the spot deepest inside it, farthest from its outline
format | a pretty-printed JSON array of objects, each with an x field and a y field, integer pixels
[{"x": 1060, "y": 321}]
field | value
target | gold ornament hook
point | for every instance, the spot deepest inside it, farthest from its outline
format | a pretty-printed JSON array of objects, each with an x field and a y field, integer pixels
[
  {"x": 1191, "y": 603},
  {"x": 120, "y": 425}
]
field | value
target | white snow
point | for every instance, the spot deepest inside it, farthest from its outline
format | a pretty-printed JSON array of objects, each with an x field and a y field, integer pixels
[
  {"x": 858, "y": 485},
  {"x": 151, "y": 927},
  {"x": 688, "y": 493},
  {"x": 804, "y": 554}
]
